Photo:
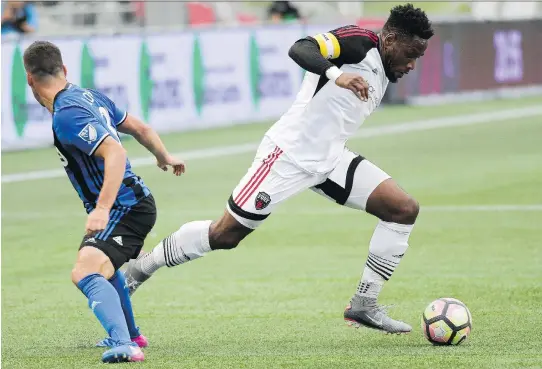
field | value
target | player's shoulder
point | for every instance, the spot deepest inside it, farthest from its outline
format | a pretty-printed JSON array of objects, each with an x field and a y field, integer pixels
[
  {"x": 71, "y": 107},
  {"x": 98, "y": 95},
  {"x": 79, "y": 96},
  {"x": 354, "y": 43},
  {"x": 72, "y": 97},
  {"x": 368, "y": 38}
]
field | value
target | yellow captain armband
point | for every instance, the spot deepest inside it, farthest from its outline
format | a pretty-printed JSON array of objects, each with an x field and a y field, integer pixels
[{"x": 329, "y": 46}]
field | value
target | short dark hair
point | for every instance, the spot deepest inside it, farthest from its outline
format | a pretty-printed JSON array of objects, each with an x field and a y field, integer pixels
[
  {"x": 409, "y": 21},
  {"x": 43, "y": 59}
]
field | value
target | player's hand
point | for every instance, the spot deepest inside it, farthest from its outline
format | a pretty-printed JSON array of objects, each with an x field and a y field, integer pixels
[
  {"x": 171, "y": 161},
  {"x": 354, "y": 83},
  {"x": 97, "y": 221}
]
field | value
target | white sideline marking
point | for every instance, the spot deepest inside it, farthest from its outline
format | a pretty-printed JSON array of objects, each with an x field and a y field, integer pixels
[
  {"x": 325, "y": 211},
  {"x": 221, "y": 151},
  {"x": 474, "y": 208}
]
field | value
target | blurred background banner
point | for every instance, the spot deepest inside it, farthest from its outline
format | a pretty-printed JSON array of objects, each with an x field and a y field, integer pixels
[
  {"x": 474, "y": 57},
  {"x": 202, "y": 77},
  {"x": 177, "y": 81}
]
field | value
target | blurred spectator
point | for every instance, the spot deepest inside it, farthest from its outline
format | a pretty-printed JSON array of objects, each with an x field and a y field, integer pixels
[
  {"x": 128, "y": 17},
  {"x": 18, "y": 17},
  {"x": 283, "y": 11}
]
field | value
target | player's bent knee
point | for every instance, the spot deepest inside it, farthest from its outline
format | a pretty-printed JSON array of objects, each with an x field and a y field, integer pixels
[
  {"x": 91, "y": 260},
  {"x": 407, "y": 211},
  {"x": 390, "y": 203}
]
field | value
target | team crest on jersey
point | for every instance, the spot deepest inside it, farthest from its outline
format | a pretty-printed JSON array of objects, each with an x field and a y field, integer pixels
[
  {"x": 262, "y": 200},
  {"x": 88, "y": 133}
]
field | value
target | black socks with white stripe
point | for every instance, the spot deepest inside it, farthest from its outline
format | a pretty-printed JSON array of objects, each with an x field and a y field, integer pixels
[
  {"x": 388, "y": 245},
  {"x": 190, "y": 242}
]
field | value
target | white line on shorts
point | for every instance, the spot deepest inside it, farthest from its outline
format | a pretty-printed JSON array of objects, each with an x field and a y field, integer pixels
[
  {"x": 221, "y": 151},
  {"x": 16, "y": 215}
]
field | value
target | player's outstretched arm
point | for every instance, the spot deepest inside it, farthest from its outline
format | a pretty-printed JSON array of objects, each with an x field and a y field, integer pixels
[
  {"x": 148, "y": 137},
  {"x": 114, "y": 156}
]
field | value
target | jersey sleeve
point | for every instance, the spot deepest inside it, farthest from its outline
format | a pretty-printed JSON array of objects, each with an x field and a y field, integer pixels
[
  {"x": 307, "y": 55},
  {"x": 345, "y": 45},
  {"x": 350, "y": 44},
  {"x": 78, "y": 127},
  {"x": 118, "y": 115}
]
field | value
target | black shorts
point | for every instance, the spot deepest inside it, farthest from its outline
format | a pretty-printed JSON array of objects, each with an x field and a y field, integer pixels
[{"x": 125, "y": 233}]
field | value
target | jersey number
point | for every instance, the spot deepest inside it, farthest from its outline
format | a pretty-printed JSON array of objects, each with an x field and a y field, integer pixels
[
  {"x": 112, "y": 129},
  {"x": 62, "y": 158}
]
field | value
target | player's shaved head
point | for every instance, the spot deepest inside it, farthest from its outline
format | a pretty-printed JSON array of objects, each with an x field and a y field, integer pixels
[{"x": 42, "y": 59}]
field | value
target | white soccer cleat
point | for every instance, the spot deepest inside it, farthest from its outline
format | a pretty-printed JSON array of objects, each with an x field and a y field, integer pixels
[{"x": 375, "y": 318}]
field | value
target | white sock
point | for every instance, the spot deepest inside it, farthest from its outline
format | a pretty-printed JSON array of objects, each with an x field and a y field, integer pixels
[
  {"x": 190, "y": 242},
  {"x": 388, "y": 245}
]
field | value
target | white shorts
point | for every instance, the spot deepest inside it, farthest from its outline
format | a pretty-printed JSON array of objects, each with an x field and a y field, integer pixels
[{"x": 274, "y": 178}]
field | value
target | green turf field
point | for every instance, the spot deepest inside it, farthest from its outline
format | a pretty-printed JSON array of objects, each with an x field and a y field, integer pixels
[{"x": 277, "y": 300}]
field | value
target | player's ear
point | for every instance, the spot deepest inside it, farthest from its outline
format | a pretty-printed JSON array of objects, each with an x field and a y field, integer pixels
[
  {"x": 390, "y": 39},
  {"x": 29, "y": 79},
  {"x": 65, "y": 70}
]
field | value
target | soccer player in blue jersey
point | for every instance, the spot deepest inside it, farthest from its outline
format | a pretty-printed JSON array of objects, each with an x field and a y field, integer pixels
[{"x": 121, "y": 210}]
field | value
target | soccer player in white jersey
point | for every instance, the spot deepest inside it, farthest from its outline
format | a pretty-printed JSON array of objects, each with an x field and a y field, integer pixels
[{"x": 348, "y": 70}]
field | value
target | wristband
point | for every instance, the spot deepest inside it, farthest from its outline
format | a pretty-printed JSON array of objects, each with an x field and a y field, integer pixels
[{"x": 333, "y": 73}]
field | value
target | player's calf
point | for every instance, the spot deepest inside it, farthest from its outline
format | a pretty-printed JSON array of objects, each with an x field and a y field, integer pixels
[
  {"x": 119, "y": 283},
  {"x": 397, "y": 212},
  {"x": 192, "y": 241},
  {"x": 90, "y": 274},
  {"x": 226, "y": 233}
]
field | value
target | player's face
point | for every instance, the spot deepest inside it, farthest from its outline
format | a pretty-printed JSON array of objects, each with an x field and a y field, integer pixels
[{"x": 401, "y": 56}]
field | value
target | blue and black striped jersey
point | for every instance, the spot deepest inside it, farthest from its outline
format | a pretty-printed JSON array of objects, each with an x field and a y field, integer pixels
[{"x": 82, "y": 119}]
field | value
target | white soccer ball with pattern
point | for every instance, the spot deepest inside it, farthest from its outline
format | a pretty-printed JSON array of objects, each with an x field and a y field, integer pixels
[{"x": 446, "y": 321}]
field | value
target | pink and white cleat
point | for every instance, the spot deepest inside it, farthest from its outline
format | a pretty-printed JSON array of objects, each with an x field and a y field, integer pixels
[
  {"x": 123, "y": 354},
  {"x": 140, "y": 340}
]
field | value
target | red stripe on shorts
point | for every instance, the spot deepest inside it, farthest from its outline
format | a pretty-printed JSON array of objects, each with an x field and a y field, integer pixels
[
  {"x": 258, "y": 178},
  {"x": 253, "y": 178}
]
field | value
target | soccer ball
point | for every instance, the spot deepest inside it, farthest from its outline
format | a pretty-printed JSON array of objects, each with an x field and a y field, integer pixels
[{"x": 446, "y": 321}]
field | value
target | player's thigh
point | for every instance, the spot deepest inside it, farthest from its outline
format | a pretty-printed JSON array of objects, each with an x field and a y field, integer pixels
[
  {"x": 125, "y": 234},
  {"x": 352, "y": 181},
  {"x": 271, "y": 179}
]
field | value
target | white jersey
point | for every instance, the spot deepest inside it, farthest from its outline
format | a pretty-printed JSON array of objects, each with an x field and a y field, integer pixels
[{"x": 314, "y": 131}]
